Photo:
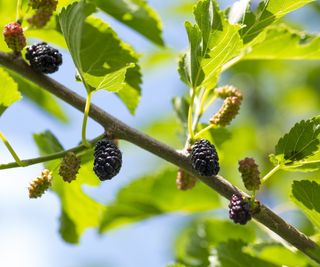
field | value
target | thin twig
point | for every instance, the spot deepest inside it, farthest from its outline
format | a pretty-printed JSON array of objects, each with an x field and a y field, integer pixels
[{"x": 58, "y": 155}]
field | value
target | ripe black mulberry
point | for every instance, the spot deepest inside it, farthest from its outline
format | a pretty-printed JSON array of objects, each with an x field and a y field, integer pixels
[
  {"x": 204, "y": 158},
  {"x": 44, "y": 58},
  {"x": 239, "y": 210},
  {"x": 107, "y": 160}
]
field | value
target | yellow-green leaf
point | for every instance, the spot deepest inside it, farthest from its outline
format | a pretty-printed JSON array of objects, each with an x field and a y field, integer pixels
[{"x": 9, "y": 93}]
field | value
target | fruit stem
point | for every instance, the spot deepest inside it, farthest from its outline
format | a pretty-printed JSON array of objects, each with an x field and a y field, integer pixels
[
  {"x": 18, "y": 11},
  {"x": 210, "y": 126},
  {"x": 61, "y": 154},
  {"x": 190, "y": 114},
  {"x": 11, "y": 150},
  {"x": 85, "y": 120},
  {"x": 253, "y": 196},
  {"x": 198, "y": 112},
  {"x": 270, "y": 173}
]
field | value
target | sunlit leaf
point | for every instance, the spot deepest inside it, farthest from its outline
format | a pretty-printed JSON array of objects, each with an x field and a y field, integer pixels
[
  {"x": 299, "y": 146},
  {"x": 268, "y": 12},
  {"x": 102, "y": 59},
  {"x": 176, "y": 265},
  {"x": 195, "y": 243},
  {"x": 44, "y": 100},
  {"x": 231, "y": 254},
  {"x": 279, "y": 254},
  {"x": 9, "y": 93},
  {"x": 153, "y": 195},
  {"x": 284, "y": 43},
  {"x": 306, "y": 195},
  {"x": 213, "y": 42},
  {"x": 136, "y": 14}
]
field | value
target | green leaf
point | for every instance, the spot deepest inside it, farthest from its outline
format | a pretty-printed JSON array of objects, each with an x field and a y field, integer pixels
[
  {"x": 154, "y": 195},
  {"x": 195, "y": 243},
  {"x": 231, "y": 254},
  {"x": 136, "y": 14},
  {"x": 297, "y": 147},
  {"x": 102, "y": 59},
  {"x": 279, "y": 254},
  {"x": 306, "y": 195},
  {"x": 176, "y": 265},
  {"x": 194, "y": 36},
  {"x": 181, "y": 107},
  {"x": 78, "y": 210},
  {"x": 268, "y": 12},
  {"x": 282, "y": 42},
  {"x": 9, "y": 92},
  {"x": 166, "y": 130},
  {"x": 44, "y": 100},
  {"x": 213, "y": 42}
]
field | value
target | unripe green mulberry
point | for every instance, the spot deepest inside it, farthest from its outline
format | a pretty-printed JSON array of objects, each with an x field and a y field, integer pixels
[
  {"x": 228, "y": 90},
  {"x": 40, "y": 18},
  {"x": 40, "y": 184},
  {"x": 250, "y": 174},
  {"x": 69, "y": 167},
  {"x": 184, "y": 180},
  {"x": 14, "y": 36},
  {"x": 227, "y": 112},
  {"x": 44, "y": 4},
  {"x": 44, "y": 11}
]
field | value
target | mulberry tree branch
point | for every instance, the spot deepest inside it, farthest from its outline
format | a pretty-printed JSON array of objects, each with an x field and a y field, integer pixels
[{"x": 266, "y": 216}]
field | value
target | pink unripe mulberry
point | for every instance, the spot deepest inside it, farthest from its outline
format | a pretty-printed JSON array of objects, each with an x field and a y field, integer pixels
[{"x": 14, "y": 37}]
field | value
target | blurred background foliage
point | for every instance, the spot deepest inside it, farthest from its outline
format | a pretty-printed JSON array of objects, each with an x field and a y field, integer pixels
[{"x": 277, "y": 94}]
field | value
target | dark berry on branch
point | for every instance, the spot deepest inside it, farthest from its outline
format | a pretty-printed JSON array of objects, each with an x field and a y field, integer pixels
[
  {"x": 204, "y": 158},
  {"x": 239, "y": 210},
  {"x": 107, "y": 160},
  {"x": 44, "y": 58}
]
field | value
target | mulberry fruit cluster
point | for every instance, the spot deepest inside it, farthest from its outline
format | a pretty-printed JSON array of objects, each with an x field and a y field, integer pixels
[
  {"x": 69, "y": 167},
  {"x": 239, "y": 210},
  {"x": 44, "y": 58},
  {"x": 44, "y": 10},
  {"x": 107, "y": 159},
  {"x": 14, "y": 36},
  {"x": 40, "y": 184},
  {"x": 250, "y": 173},
  {"x": 184, "y": 180},
  {"x": 204, "y": 158}
]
